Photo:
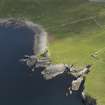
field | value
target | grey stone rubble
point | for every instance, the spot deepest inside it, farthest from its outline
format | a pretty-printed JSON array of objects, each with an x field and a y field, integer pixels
[{"x": 52, "y": 71}]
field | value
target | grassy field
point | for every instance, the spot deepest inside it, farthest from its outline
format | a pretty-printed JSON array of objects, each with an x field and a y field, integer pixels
[{"x": 76, "y": 30}]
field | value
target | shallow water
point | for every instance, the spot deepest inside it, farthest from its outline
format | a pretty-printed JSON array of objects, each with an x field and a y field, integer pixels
[{"x": 19, "y": 87}]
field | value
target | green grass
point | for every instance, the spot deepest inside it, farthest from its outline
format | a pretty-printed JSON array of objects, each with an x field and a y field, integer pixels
[
  {"x": 77, "y": 28},
  {"x": 77, "y": 50}
]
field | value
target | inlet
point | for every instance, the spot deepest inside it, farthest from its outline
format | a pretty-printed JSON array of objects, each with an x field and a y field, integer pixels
[{"x": 17, "y": 85}]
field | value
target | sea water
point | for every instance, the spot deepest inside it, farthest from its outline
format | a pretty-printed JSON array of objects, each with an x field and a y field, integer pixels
[{"x": 18, "y": 86}]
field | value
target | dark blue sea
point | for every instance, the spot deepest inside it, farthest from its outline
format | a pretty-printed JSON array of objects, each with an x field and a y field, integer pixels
[{"x": 18, "y": 86}]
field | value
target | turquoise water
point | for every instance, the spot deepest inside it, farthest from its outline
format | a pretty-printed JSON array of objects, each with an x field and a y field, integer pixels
[{"x": 18, "y": 86}]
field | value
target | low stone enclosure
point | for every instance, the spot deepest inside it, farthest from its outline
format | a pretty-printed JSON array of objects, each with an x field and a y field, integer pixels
[{"x": 39, "y": 59}]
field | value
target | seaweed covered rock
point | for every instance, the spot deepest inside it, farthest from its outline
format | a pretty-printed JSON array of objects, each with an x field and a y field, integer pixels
[{"x": 89, "y": 100}]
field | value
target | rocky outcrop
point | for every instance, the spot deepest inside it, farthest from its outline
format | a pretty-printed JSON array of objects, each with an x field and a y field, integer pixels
[{"x": 89, "y": 100}]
